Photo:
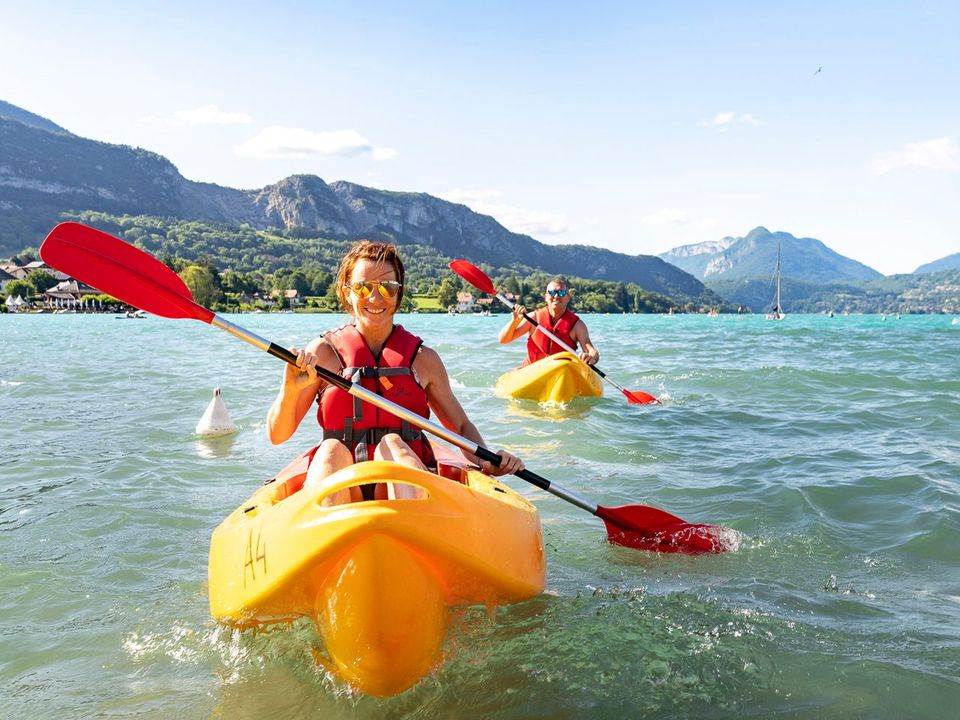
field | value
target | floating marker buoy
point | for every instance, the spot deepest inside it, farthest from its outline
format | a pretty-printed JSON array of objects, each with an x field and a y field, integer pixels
[{"x": 216, "y": 420}]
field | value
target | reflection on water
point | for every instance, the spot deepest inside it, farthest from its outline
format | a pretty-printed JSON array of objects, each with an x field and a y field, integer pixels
[
  {"x": 215, "y": 447},
  {"x": 551, "y": 412}
]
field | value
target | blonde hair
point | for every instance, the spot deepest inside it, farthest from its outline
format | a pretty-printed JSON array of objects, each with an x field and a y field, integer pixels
[{"x": 376, "y": 251}]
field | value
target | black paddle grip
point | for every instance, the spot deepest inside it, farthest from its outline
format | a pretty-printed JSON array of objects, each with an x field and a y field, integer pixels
[
  {"x": 530, "y": 477},
  {"x": 278, "y": 351}
]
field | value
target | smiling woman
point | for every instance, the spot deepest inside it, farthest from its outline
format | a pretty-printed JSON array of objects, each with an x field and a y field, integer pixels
[{"x": 383, "y": 357}]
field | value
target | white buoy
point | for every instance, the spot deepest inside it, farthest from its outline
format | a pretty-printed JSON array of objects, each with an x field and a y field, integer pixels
[{"x": 216, "y": 420}]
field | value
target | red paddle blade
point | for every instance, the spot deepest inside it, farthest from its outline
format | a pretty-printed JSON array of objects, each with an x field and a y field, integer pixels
[
  {"x": 120, "y": 269},
  {"x": 473, "y": 275},
  {"x": 639, "y": 397},
  {"x": 648, "y": 528}
]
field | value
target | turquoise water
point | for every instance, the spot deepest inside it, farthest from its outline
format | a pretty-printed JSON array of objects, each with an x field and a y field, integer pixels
[{"x": 832, "y": 447}]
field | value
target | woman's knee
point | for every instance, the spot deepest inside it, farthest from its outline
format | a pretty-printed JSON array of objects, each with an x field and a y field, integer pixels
[
  {"x": 332, "y": 455},
  {"x": 332, "y": 448},
  {"x": 391, "y": 447}
]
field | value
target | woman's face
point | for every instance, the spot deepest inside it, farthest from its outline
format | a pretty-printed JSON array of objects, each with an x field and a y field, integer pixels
[{"x": 375, "y": 309}]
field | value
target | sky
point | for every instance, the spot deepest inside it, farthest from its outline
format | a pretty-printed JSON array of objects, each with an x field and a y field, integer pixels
[{"x": 634, "y": 126}]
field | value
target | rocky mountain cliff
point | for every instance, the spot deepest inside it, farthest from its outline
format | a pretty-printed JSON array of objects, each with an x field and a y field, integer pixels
[{"x": 45, "y": 172}]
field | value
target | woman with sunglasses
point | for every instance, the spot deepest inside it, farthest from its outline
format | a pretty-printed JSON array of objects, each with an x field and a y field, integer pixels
[
  {"x": 557, "y": 318},
  {"x": 383, "y": 357}
]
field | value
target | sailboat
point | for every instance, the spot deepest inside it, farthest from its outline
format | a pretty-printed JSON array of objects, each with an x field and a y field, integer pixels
[{"x": 776, "y": 310}]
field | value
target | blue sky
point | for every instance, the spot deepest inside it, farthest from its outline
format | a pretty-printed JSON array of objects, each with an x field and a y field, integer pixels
[{"x": 633, "y": 126}]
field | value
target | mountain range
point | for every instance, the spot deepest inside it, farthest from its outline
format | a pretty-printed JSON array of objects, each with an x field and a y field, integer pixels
[
  {"x": 814, "y": 277},
  {"x": 755, "y": 255},
  {"x": 46, "y": 171}
]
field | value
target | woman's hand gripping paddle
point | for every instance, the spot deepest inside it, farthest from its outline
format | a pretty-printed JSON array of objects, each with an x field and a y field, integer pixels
[
  {"x": 131, "y": 275},
  {"x": 476, "y": 277}
]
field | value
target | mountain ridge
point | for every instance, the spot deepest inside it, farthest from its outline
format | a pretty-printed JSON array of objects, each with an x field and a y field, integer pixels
[
  {"x": 755, "y": 255},
  {"x": 950, "y": 262},
  {"x": 46, "y": 173}
]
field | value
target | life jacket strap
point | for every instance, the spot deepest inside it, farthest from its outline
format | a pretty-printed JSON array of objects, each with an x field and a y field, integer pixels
[
  {"x": 355, "y": 373},
  {"x": 360, "y": 440}
]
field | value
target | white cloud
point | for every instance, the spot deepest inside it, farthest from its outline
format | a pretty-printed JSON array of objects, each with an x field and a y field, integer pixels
[
  {"x": 937, "y": 154},
  {"x": 205, "y": 115},
  {"x": 667, "y": 216},
  {"x": 278, "y": 141},
  {"x": 725, "y": 120},
  {"x": 384, "y": 153},
  {"x": 520, "y": 220}
]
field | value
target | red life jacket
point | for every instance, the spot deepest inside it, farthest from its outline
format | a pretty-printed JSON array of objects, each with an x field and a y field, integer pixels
[
  {"x": 359, "y": 425},
  {"x": 539, "y": 345}
]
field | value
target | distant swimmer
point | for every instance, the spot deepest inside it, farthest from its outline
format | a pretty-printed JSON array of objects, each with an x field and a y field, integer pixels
[{"x": 818, "y": 70}]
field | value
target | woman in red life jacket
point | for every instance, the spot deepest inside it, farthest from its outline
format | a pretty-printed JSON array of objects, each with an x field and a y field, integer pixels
[
  {"x": 558, "y": 319},
  {"x": 383, "y": 357}
]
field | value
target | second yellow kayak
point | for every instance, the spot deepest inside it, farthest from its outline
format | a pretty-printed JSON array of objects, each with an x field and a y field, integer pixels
[
  {"x": 378, "y": 577},
  {"x": 558, "y": 379}
]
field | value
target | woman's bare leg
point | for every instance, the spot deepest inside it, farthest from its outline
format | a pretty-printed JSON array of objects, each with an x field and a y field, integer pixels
[
  {"x": 331, "y": 457},
  {"x": 394, "y": 449}
]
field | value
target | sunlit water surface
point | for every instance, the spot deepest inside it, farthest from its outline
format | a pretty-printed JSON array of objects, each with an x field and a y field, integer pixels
[{"x": 831, "y": 445}]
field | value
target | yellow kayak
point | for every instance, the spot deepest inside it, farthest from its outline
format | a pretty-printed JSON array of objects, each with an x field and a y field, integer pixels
[
  {"x": 377, "y": 577},
  {"x": 558, "y": 378}
]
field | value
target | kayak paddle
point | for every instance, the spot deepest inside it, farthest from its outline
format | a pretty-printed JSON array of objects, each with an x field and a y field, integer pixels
[
  {"x": 137, "y": 278},
  {"x": 476, "y": 277}
]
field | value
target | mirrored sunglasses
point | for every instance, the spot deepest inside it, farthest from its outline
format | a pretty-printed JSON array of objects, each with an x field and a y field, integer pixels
[
  {"x": 364, "y": 288},
  {"x": 557, "y": 293}
]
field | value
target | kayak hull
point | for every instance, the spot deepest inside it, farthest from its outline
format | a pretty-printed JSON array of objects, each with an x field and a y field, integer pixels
[
  {"x": 378, "y": 577},
  {"x": 555, "y": 379}
]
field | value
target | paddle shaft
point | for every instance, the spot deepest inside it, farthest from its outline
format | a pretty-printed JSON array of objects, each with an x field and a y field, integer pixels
[
  {"x": 560, "y": 342},
  {"x": 381, "y": 402}
]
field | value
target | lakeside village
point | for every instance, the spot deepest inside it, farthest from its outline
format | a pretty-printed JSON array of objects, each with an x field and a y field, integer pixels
[
  {"x": 28, "y": 289},
  {"x": 34, "y": 287}
]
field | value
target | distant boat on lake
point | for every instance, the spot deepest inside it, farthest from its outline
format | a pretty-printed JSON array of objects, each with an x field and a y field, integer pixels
[{"x": 776, "y": 310}]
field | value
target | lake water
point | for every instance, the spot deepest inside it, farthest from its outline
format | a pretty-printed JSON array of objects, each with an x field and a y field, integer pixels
[{"x": 831, "y": 445}]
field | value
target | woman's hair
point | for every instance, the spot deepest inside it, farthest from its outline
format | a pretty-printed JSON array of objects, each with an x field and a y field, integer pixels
[{"x": 379, "y": 252}]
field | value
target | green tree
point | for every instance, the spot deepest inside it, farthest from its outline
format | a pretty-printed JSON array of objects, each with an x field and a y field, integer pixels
[
  {"x": 42, "y": 280},
  {"x": 241, "y": 282},
  {"x": 202, "y": 283},
  {"x": 447, "y": 295},
  {"x": 407, "y": 304},
  {"x": 23, "y": 288},
  {"x": 620, "y": 297},
  {"x": 332, "y": 301},
  {"x": 595, "y": 302}
]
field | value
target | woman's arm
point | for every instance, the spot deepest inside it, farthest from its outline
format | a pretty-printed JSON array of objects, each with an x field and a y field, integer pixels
[
  {"x": 450, "y": 413},
  {"x": 299, "y": 390}
]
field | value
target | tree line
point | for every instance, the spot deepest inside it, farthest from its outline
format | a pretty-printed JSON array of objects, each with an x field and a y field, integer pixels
[{"x": 225, "y": 267}]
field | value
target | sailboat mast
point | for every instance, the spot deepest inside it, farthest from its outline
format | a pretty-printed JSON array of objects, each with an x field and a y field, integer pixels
[{"x": 778, "y": 279}]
